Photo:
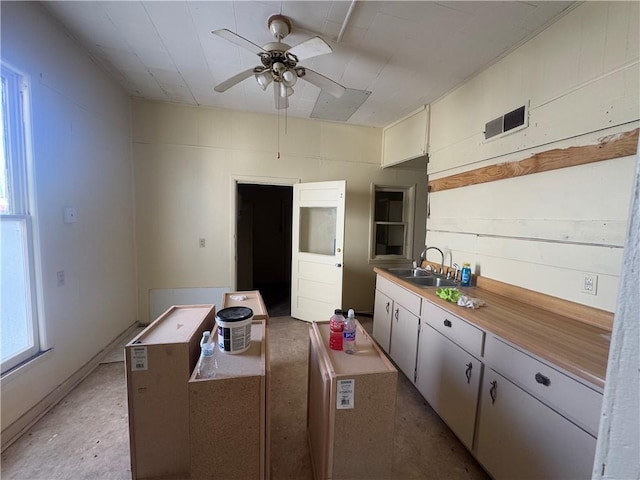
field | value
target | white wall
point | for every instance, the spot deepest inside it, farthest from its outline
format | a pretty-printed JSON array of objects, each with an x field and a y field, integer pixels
[
  {"x": 185, "y": 158},
  {"x": 618, "y": 450},
  {"x": 544, "y": 231},
  {"x": 82, "y": 158}
]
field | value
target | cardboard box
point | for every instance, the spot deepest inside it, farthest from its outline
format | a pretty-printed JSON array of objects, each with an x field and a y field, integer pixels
[
  {"x": 158, "y": 364},
  {"x": 253, "y": 301},
  {"x": 229, "y": 420}
]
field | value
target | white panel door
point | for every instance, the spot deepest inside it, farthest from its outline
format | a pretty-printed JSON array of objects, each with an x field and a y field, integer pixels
[{"x": 317, "y": 249}]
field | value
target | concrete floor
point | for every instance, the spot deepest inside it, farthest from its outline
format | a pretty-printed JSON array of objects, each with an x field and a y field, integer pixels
[{"x": 86, "y": 435}]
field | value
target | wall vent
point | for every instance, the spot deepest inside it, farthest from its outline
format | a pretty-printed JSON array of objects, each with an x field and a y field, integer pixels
[{"x": 508, "y": 123}]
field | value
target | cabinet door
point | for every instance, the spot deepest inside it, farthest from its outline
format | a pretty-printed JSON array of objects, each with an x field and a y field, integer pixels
[
  {"x": 406, "y": 139},
  {"x": 449, "y": 379},
  {"x": 404, "y": 340},
  {"x": 382, "y": 313},
  {"x": 520, "y": 437}
]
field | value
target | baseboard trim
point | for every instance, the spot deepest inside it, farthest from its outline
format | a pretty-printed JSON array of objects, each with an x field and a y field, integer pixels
[{"x": 14, "y": 431}]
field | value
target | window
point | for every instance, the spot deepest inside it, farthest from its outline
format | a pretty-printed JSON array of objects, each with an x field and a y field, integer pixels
[
  {"x": 18, "y": 324},
  {"x": 392, "y": 225}
]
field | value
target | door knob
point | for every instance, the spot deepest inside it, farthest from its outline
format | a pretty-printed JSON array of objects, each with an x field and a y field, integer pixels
[{"x": 338, "y": 265}]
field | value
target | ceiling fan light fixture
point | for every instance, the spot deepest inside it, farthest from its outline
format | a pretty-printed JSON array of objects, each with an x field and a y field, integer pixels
[
  {"x": 289, "y": 77},
  {"x": 264, "y": 79},
  {"x": 279, "y": 67}
]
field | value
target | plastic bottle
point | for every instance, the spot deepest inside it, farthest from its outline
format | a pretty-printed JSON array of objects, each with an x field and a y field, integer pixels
[
  {"x": 349, "y": 343},
  {"x": 336, "y": 327},
  {"x": 465, "y": 275},
  {"x": 207, "y": 363}
]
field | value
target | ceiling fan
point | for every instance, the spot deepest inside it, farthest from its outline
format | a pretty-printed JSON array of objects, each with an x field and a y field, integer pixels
[{"x": 280, "y": 62}]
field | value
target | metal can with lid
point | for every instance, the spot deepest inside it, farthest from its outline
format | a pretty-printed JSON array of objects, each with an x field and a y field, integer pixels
[{"x": 234, "y": 329}]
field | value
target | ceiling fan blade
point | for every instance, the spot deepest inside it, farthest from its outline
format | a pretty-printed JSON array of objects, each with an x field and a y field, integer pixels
[
  {"x": 322, "y": 82},
  {"x": 280, "y": 102},
  {"x": 310, "y": 48},
  {"x": 238, "y": 40},
  {"x": 230, "y": 82}
]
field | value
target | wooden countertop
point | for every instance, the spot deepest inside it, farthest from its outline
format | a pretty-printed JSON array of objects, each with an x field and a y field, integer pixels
[{"x": 580, "y": 348}]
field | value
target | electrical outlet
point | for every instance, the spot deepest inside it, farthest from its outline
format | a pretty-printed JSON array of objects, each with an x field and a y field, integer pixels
[
  {"x": 60, "y": 278},
  {"x": 590, "y": 283},
  {"x": 202, "y": 242}
]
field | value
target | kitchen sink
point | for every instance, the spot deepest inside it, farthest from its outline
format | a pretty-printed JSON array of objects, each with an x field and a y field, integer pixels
[
  {"x": 431, "y": 281},
  {"x": 422, "y": 278},
  {"x": 409, "y": 272}
]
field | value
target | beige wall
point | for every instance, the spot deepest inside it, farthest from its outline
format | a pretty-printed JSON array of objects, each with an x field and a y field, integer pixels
[
  {"x": 544, "y": 231},
  {"x": 185, "y": 159},
  {"x": 82, "y": 158}
]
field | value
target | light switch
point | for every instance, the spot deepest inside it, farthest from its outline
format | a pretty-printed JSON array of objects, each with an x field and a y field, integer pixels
[{"x": 70, "y": 215}]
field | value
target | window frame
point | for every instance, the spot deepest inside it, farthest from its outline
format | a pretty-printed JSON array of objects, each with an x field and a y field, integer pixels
[
  {"x": 408, "y": 209},
  {"x": 17, "y": 152}
]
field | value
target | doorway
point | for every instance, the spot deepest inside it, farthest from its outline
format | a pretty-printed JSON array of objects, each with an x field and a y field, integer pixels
[{"x": 263, "y": 229}]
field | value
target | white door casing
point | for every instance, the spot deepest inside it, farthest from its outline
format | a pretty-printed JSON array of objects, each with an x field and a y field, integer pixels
[{"x": 317, "y": 249}]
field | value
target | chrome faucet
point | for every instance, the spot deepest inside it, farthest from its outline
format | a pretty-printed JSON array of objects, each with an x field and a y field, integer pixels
[
  {"x": 455, "y": 273},
  {"x": 441, "y": 254},
  {"x": 423, "y": 257}
]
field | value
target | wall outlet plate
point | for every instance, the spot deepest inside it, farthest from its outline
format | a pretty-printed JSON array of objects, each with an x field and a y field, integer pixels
[{"x": 590, "y": 283}]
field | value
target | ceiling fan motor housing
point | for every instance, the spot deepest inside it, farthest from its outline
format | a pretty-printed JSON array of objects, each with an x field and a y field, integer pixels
[{"x": 279, "y": 26}]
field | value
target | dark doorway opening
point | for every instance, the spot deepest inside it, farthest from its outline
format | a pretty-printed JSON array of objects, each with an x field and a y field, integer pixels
[{"x": 264, "y": 244}]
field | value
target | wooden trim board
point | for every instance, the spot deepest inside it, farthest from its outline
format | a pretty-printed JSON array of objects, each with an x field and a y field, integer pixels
[{"x": 613, "y": 146}]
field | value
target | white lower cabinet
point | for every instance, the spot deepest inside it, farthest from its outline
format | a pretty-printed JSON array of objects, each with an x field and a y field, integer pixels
[
  {"x": 535, "y": 421},
  {"x": 404, "y": 340},
  {"x": 396, "y": 324},
  {"x": 519, "y": 437},
  {"x": 382, "y": 315},
  {"x": 522, "y": 417},
  {"x": 449, "y": 379}
]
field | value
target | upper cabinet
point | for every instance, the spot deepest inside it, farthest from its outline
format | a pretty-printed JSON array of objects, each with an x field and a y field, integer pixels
[{"x": 405, "y": 142}]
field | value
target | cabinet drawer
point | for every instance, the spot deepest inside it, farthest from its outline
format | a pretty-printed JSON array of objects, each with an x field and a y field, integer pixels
[
  {"x": 467, "y": 336},
  {"x": 399, "y": 295},
  {"x": 576, "y": 401}
]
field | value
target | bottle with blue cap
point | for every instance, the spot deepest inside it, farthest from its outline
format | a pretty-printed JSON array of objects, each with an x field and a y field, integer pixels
[
  {"x": 207, "y": 366},
  {"x": 349, "y": 334},
  {"x": 465, "y": 275}
]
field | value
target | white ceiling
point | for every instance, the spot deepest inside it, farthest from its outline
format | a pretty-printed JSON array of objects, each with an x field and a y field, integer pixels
[{"x": 406, "y": 53}]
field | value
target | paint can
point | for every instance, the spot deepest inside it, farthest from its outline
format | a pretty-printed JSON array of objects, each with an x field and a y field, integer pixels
[{"x": 234, "y": 329}]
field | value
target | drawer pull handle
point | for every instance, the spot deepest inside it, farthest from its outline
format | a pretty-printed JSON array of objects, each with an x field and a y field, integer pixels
[
  {"x": 543, "y": 380},
  {"x": 396, "y": 314},
  {"x": 492, "y": 391},
  {"x": 447, "y": 323},
  {"x": 388, "y": 303},
  {"x": 468, "y": 371}
]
